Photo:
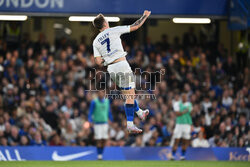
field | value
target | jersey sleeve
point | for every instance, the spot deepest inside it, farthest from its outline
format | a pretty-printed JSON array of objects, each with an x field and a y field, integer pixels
[
  {"x": 96, "y": 52},
  {"x": 91, "y": 111},
  {"x": 122, "y": 29}
]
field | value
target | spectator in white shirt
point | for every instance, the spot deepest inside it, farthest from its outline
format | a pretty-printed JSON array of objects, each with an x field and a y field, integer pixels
[
  {"x": 200, "y": 141},
  {"x": 227, "y": 101},
  {"x": 147, "y": 134},
  {"x": 206, "y": 104},
  {"x": 176, "y": 102}
]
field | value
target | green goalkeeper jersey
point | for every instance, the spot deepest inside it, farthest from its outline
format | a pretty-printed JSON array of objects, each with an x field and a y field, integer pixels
[{"x": 185, "y": 118}]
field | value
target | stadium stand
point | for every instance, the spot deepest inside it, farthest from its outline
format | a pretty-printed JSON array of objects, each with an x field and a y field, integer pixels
[{"x": 45, "y": 99}]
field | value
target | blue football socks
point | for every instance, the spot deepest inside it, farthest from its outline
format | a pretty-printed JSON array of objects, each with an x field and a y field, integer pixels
[
  {"x": 173, "y": 153},
  {"x": 100, "y": 150},
  {"x": 183, "y": 153},
  {"x": 129, "y": 110},
  {"x": 136, "y": 106}
]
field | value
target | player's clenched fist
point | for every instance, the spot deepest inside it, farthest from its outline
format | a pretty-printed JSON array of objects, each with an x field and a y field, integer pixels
[{"x": 147, "y": 12}]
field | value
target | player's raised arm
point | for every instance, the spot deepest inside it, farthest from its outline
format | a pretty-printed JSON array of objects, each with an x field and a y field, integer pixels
[{"x": 140, "y": 22}]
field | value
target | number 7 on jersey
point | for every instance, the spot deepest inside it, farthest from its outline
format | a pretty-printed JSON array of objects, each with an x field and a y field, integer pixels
[{"x": 108, "y": 44}]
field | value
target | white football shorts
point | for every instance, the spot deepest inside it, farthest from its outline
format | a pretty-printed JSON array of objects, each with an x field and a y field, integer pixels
[
  {"x": 122, "y": 75},
  {"x": 101, "y": 131},
  {"x": 182, "y": 131}
]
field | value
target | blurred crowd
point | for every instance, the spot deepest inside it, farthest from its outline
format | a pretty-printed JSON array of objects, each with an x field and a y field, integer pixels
[{"x": 45, "y": 99}]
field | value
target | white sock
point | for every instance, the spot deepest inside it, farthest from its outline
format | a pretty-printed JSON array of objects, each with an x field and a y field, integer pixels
[
  {"x": 99, "y": 156},
  {"x": 130, "y": 123},
  {"x": 139, "y": 112}
]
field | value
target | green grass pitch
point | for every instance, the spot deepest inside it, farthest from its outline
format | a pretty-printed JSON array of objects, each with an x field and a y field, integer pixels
[{"x": 125, "y": 164}]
